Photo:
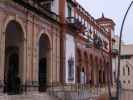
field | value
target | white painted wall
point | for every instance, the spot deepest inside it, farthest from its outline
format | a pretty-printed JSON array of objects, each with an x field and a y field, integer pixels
[
  {"x": 70, "y": 52},
  {"x": 55, "y": 6},
  {"x": 126, "y": 80}
]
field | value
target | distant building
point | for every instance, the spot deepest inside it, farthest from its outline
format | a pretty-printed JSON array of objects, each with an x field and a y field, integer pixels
[
  {"x": 126, "y": 69},
  {"x": 126, "y": 64}
]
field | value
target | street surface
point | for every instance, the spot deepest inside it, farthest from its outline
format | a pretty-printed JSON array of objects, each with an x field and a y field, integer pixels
[{"x": 126, "y": 95}]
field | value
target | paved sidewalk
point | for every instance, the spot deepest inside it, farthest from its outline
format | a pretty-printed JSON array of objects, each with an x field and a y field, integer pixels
[{"x": 103, "y": 97}]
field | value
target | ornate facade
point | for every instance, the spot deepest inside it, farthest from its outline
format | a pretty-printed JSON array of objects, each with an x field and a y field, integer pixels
[
  {"x": 45, "y": 43},
  {"x": 28, "y": 42}
]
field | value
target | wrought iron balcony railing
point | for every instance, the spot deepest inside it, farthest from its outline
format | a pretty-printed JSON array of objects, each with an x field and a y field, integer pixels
[
  {"x": 39, "y": 7},
  {"x": 75, "y": 23}
]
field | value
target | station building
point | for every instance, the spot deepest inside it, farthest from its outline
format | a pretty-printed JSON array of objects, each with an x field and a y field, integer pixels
[{"x": 52, "y": 42}]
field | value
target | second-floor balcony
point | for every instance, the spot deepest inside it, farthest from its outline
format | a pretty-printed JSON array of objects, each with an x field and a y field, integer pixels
[
  {"x": 40, "y": 7},
  {"x": 44, "y": 3},
  {"x": 75, "y": 23}
]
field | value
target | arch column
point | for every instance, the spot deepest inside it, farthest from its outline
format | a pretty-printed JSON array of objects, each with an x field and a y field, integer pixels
[
  {"x": 95, "y": 72},
  {"x": 2, "y": 48},
  {"x": 105, "y": 74},
  {"x": 92, "y": 70},
  {"x": 25, "y": 60}
]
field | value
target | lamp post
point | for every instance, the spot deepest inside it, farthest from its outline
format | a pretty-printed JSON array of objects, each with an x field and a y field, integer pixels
[{"x": 119, "y": 55}]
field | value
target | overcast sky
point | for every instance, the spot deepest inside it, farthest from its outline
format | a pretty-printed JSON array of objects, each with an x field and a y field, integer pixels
[{"x": 114, "y": 9}]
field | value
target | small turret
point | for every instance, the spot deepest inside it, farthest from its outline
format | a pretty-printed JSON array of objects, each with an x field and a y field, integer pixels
[{"x": 107, "y": 23}]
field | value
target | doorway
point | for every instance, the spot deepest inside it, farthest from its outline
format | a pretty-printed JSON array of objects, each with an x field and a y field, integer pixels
[
  {"x": 44, "y": 62},
  {"x": 12, "y": 83},
  {"x": 43, "y": 75},
  {"x": 14, "y": 54}
]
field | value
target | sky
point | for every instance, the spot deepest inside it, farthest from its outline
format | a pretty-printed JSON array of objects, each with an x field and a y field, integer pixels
[{"x": 114, "y": 9}]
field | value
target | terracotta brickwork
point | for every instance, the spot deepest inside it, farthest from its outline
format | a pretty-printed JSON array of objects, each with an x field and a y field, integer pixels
[
  {"x": 34, "y": 37},
  {"x": 33, "y": 27}
]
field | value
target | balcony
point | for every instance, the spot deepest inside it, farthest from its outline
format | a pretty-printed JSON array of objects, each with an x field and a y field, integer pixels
[
  {"x": 89, "y": 42},
  {"x": 98, "y": 43},
  {"x": 75, "y": 23},
  {"x": 44, "y": 3},
  {"x": 114, "y": 52},
  {"x": 40, "y": 7}
]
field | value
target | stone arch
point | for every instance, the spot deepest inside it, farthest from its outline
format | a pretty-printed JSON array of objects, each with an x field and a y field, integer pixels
[
  {"x": 44, "y": 61},
  {"x": 14, "y": 57},
  {"x": 45, "y": 33},
  {"x": 17, "y": 19}
]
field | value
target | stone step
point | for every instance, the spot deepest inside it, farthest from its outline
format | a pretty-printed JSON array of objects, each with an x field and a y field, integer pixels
[{"x": 33, "y": 96}]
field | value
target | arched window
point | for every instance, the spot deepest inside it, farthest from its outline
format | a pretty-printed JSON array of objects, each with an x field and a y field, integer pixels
[
  {"x": 123, "y": 71},
  {"x": 128, "y": 69}
]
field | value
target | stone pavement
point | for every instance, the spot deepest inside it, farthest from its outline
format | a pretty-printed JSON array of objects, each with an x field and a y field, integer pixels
[
  {"x": 103, "y": 97},
  {"x": 91, "y": 94},
  {"x": 126, "y": 95},
  {"x": 36, "y": 96}
]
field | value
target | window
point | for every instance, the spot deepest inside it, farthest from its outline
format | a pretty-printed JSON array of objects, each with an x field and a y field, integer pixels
[
  {"x": 71, "y": 69},
  {"x": 123, "y": 71},
  {"x": 128, "y": 70},
  {"x": 69, "y": 10}
]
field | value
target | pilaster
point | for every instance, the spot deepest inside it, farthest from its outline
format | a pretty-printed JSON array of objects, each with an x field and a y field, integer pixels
[{"x": 2, "y": 46}]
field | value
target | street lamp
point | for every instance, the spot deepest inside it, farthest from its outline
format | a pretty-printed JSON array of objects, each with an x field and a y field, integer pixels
[{"x": 119, "y": 55}]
